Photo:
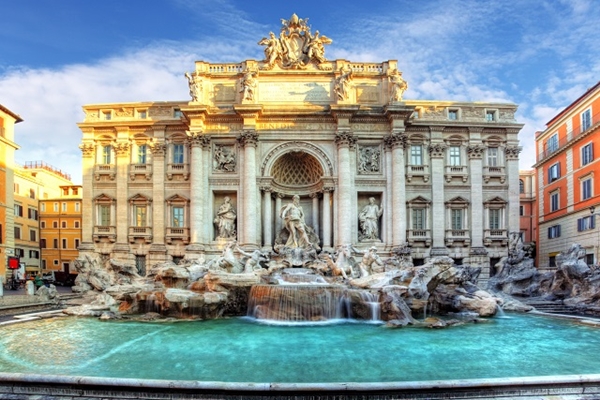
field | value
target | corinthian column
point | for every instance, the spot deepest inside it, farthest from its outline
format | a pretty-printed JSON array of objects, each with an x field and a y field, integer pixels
[
  {"x": 121, "y": 247},
  {"x": 158, "y": 249},
  {"x": 87, "y": 216},
  {"x": 344, "y": 140},
  {"x": 438, "y": 211},
  {"x": 512, "y": 172},
  {"x": 267, "y": 218},
  {"x": 249, "y": 140},
  {"x": 397, "y": 141},
  {"x": 475, "y": 153},
  {"x": 327, "y": 217},
  {"x": 197, "y": 190}
]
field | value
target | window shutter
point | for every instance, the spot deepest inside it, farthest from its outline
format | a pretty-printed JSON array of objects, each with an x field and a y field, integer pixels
[
  {"x": 579, "y": 223},
  {"x": 558, "y": 175},
  {"x": 592, "y": 221},
  {"x": 558, "y": 230}
]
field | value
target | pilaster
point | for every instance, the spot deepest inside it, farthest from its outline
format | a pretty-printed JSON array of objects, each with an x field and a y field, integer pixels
[
  {"x": 121, "y": 249},
  {"x": 344, "y": 140},
  {"x": 437, "y": 152},
  {"x": 248, "y": 141},
  {"x": 88, "y": 151}
]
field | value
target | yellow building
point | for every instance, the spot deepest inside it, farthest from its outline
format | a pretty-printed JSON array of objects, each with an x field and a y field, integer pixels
[
  {"x": 60, "y": 229},
  {"x": 8, "y": 119}
]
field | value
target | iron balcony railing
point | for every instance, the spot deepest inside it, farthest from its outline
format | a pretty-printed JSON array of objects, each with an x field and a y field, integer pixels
[{"x": 570, "y": 136}]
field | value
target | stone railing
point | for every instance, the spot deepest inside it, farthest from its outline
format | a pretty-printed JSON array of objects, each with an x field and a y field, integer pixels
[
  {"x": 101, "y": 231},
  {"x": 419, "y": 235},
  {"x": 175, "y": 233},
  {"x": 140, "y": 169},
  {"x": 495, "y": 235},
  {"x": 457, "y": 171},
  {"x": 109, "y": 170},
  {"x": 494, "y": 172},
  {"x": 178, "y": 169},
  {"x": 457, "y": 235},
  {"x": 417, "y": 170},
  {"x": 140, "y": 232}
]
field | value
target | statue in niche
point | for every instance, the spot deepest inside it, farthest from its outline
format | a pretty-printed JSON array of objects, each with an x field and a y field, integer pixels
[
  {"x": 225, "y": 220},
  {"x": 342, "y": 83},
  {"x": 293, "y": 218},
  {"x": 369, "y": 220},
  {"x": 369, "y": 160},
  {"x": 195, "y": 86},
  {"x": 399, "y": 85},
  {"x": 224, "y": 159},
  {"x": 248, "y": 83}
]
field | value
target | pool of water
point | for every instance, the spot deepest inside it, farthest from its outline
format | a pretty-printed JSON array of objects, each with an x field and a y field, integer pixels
[{"x": 242, "y": 350}]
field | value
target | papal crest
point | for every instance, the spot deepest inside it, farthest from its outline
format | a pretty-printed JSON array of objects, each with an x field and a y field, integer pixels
[{"x": 296, "y": 46}]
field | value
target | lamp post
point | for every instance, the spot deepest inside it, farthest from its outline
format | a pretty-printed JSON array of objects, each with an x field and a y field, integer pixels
[{"x": 592, "y": 210}]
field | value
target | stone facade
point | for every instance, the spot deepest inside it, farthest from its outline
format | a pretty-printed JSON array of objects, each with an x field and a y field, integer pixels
[{"x": 336, "y": 133}]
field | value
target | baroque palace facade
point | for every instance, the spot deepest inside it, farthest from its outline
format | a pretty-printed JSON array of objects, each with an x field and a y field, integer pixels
[{"x": 167, "y": 180}]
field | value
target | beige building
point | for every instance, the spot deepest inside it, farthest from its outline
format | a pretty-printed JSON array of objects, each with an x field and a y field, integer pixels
[{"x": 165, "y": 180}]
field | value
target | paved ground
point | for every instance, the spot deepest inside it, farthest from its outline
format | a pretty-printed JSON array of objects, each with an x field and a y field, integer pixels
[{"x": 60, "y": 289}]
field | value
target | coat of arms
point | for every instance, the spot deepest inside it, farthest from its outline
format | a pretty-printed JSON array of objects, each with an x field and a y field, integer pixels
[{"x": 295, "y": 47}]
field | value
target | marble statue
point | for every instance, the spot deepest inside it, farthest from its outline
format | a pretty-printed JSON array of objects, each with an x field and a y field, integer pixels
[
  {"x": 254, "y": 260},
  {"x": 293, "y": 218},
  {"x": 224, "y": 159},
  {"x": 195, "y": 86},
  {"x": 225, "y": 220},
  {"x": 369, "y": 220},
  {"x": 369, "y": 260},
  {"x": 248, "y": 83},
  {"x": 369, "y": 159},
  {"x": 314, "y": 48},
  {"x": 273, "y": 49},
  {"x": 399, "y": 85},
  {"x": 342, "y": 83}
]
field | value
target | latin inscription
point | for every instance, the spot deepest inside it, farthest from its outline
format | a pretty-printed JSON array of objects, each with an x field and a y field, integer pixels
[{"x": 308, "y": 92}]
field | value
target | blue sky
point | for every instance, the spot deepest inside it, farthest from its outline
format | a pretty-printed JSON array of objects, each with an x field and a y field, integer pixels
[{"x": 56, "y": 56}]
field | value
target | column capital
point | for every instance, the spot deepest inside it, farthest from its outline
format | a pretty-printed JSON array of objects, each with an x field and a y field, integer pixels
[
  {"x": 248, "y": 138},
  {"x": 87, "y": 149},
  {"x": 158, "y": 149},
  {"x": 314, "y": 195},
  {"x": 121, "y": 148},
  {"x": 475, "y": 151},
  {"x": 512, "y": 152},
  {"x": 345, "y": 139},
  {"x": 437, "y": 150},
  {"x": 395, "y": 140},
  {"x": 198, "y": 139}
]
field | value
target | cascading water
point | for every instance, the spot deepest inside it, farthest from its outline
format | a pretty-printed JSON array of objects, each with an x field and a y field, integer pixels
[{"x": 372, "y": 300}]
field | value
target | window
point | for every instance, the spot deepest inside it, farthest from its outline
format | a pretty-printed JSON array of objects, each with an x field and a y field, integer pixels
[
  {"x": 586, "y": 223},
  {"x": 17, "y": 232},
  {"x": 142, "y": 114},
  {"x": 106, "y": 153},
  {"x": 457, "y": 219},
  {"x": 77, "y": 205},
  {"x": 32, "y": 194},
  {"x": 18, "y": 210},
  {"x": 55, "y": 207},
  {"x": 492, "y": 158},
  {"x": 55, "y": 243},
  {"x": 177, "y": 221},
  {"x": 552, "y": 261},
  {"x": 64, "y": 207},
  {"x": 34, "y": 254},
  {"x": 554, "y": 172},
  {"x": 43, "y": 207},
  {"x": 554, "y": 201},
  {"x": 416, "y": 154},
  {"x": 76, "y": 243},
  {"x": 63, "y": 224},
  {"x": 55, "y": 262},
  {"x": 139, "y": 213},
  {"x": 140, "y": 264},
  {"x": 586, "y": 120},
  {"x": 589, "y": 259},
  {"x": 65, "y": 191},
  {"x": 586, "y": 188},
  {"x": 32, "y": 236},
  {"x": 178, "y": 153},
  {"x": 521, "y": 186},
  {"x": 64, "y": 243},
  {"x": 106, "y": 115},
  {"x": 142, "y": 151},
  {"x": 418, "y": 218},
  {"x": 43, "y": 224},
  {"x": 415, "y": 114},
  {"x": 490, "y": 115},
  {"x": 521, "y": 210},
  {"x": 55, "y": 224},
  {"x": 453, "y": 115},
  {"x": 552, "y": 143},
  {"x": 104, "y": 213},
  {"x": 76, "y": 225},
  {"x": 177, "y": 113},
  {"x": 43, "y": 243},
  {"x": 455, "y": 155},
  {"x": 554, "y": 232},
  {"x": 75, "y": 191},
  {"x": 32, "y": 213},
  {"x": 494, "y": 215},
  {"x": 587, "y": 154}
]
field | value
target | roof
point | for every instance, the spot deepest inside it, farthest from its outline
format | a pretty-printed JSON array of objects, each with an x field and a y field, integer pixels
[
  {"x": 12, "y": 114},
  {"x": 573, "y": 104}
]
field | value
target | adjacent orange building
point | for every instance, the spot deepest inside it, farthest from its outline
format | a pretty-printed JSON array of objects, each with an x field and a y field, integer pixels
[
  {"x": 8, "y": 119},
  {"x": 60, "y": 229},
  {"x": 528, "y": 206},
  {"x": 568, "y": 180}
]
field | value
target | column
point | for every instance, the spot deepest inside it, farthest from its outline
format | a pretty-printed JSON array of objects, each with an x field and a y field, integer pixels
[
  {"x": 315, "y": 212},
  {"x": 512, "y": 172},
  {"x": 438, "y": 211},
  {"x": 197, "y": 192},
  {"x": 88, "y": 207},
  {"x": 121, "y": 249},
  {"x": 249, "y": 140},
  {"x": 327, "y": 217},
  {"x": 344, "y": 141},
  {"x": 278, "y": 222},
  {"x": 397, "y": 141},
  {"x": 475, "y": 152},
  {"x": 388, "y": 222},
  {"x": 158, "y": 249},
  {"x": 267, "y": 219}
]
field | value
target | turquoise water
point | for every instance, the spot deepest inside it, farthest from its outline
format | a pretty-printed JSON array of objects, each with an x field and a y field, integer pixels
[{"x": 241, "y": 350}]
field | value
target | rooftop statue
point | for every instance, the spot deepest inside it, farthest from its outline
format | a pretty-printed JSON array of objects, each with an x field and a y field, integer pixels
[{"x": 296, "y": 46}]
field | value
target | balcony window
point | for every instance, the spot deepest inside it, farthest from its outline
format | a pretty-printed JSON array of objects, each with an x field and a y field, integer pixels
[
  {"x": 552, "y": 143},
  {"x": 177, "y": 217},
  {"x": 586, "y": 188},
  {"x": 587, "y": 154},
  {"x": 457, "y": 219},
  {"x": 454, "y": 152},
  {"x": 106, "y": 153},
  {"x": 142, "y": 152},
  {"x": 139, "y": 214},
  {"x": 416, "y": 155},
  {"x": 586, "y": 120},
  {"x": 104, "y": 215},
  {"x": 494, "y": 218},
  {"x": 418, "y": 219},
  {"x": 178, "y": 153},
  {"x": 492, "y": 156}
]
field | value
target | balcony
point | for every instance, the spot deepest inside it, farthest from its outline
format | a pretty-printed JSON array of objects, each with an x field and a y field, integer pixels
[
  {"x": 178, "y": 170},
  {"x": 457, "y": 171},
  {"x": 174, "y": 234},
  {"x": 495, "y": 236},
  {"x": 416, "y": 236},
  {"x": 494, "y": 173},
  {"x": 105, "y": 232},
  {"x": 106, "y": 170},
  {"x": 457, "y": 236},
  {"x": 571, "y": 137},
  {"x": 141, "y": 170},
  {"x": 140, "y": 232},
  {"x": 421, "y": 171}
]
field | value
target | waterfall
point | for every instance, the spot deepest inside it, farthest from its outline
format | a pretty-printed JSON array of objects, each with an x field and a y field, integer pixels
[{"x": 372, "y": 300}]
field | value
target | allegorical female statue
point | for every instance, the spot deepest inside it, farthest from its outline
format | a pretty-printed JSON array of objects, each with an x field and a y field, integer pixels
[
  {"x": 369, "y": 220},
  {"x": 225, "y": 220}
]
